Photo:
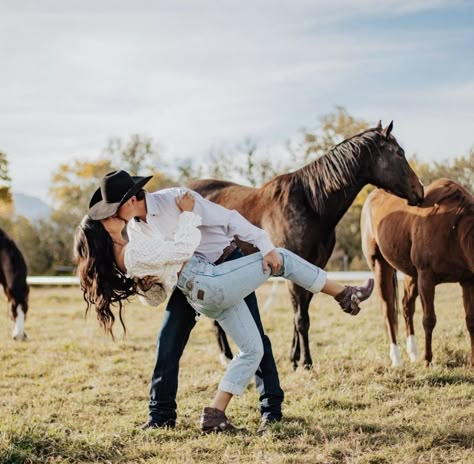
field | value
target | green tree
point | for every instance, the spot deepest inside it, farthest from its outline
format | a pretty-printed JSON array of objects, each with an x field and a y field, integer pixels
[
  {"x": 256, "y": 168},
  {"x": 34, "y": 244},
  {"x": 460, "y": 169},
  {"x": 138, "y": 155},
  {"x": 73, "y": 184},
  {"x": 243, "y": 164},
  {"x": 332, "y": 129},
  {"x": 71, "y": 188},
  {"x": 188, "y": 170},
  {"x": 29, "y": 239},
  {"x": 6, "y": 199},
  {"x": 248, "y": 169}
]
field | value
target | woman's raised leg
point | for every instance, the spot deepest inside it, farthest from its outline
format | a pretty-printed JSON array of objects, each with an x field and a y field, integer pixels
[{"x": 231, "y": 281}]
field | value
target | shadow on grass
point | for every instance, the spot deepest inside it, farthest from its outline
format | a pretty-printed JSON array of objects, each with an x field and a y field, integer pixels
[
  {"x": 373, "y": 434},
  {"x": 344, "y": 405},
  {"x": 296, "y": 426},
  {"x": 458, "y": 439},
  {"x": 35, "y": 445},
  {"x": 439, "y": 379},
  {"x": 452, "y": 357}
]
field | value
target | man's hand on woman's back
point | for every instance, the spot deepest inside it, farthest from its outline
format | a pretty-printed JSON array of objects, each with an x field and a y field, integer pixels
[{"x": 185, "y": 202}]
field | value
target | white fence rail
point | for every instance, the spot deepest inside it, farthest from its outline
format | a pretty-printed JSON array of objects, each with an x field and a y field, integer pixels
[
  {"x": 73, "y": 280},
  {"x": 52, "y": 280}
]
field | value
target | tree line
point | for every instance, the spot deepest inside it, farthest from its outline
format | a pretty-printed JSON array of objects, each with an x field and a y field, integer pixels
[{"x": 47, "y": 243}]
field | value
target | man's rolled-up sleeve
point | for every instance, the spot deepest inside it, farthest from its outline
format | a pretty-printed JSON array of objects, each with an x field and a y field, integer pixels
[{"x": 233, "y": 223}]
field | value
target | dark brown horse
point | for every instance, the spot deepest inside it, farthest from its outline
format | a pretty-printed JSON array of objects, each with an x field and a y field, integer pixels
[
  {"x": 430, "y": 244},
  {"x": 300, "y": 210},
  {"x": 13, "y": 274}
]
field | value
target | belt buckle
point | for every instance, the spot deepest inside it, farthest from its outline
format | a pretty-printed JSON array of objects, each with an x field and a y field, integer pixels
[{"x": 226, "y": 252}]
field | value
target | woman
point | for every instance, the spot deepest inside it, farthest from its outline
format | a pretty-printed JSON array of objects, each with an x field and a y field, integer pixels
[{"x": 112, "y": 269}]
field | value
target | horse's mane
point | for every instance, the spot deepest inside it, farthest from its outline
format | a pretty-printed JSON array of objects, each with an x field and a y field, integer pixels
[
  {"x": 333, "y": 170},
  {"x": 451, "y": 195},
  {"x": 458, "y": 201}
]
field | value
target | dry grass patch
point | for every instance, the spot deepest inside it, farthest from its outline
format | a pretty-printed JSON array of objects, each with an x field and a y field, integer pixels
[{"x": 71, "y": 395}]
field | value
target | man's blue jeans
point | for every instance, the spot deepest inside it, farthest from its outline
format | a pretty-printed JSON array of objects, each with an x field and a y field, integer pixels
[{"x": 178, "y": 321}]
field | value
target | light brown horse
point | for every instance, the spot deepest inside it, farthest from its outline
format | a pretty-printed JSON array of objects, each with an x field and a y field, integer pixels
[
  {"x": 431, "y": 244},
  {"x": 300, "y": 210}
]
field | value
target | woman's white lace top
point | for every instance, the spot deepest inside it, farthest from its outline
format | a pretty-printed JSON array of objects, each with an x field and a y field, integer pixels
[{"x": 162, "y": 258}]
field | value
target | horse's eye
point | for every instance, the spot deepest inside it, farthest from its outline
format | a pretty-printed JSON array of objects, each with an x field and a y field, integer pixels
[{"x": 395, "y": 149}]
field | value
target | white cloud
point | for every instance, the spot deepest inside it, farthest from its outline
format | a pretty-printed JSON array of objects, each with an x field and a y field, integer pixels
[{"x": 193, "y": 76}]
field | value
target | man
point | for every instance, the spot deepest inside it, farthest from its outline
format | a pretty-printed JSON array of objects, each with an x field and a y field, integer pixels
[{"x": 151, "y": 214}]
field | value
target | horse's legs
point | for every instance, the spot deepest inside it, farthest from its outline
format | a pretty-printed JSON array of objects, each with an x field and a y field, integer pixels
[
  {"x": 426, "y": 287},
  {"x": 384, "y": 278},
  {"x": 468, "y": 298},
  {"x": 295, "y": 352},
  {"x": 226, "y": 353},
  {"x": 409, "y": 298},
  {"x": 16, "y": 290},
  {"x": 15, "y": 312},
  {"x": 17, "y": 316},
  {"x": 301, "y": 299}
]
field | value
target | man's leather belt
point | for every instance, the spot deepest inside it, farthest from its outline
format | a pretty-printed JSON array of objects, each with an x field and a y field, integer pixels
[{"x": 228, "y": 250}]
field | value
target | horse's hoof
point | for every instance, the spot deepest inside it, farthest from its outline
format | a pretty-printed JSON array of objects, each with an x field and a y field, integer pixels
[
  {"x": 412, "y": 349},
  {"x": 308, "y": 367},
  {"x": 395, "y": 355},
  {"x": 413, "y": 355}
]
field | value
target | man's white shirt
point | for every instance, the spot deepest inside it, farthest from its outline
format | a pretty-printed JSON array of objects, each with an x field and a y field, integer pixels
[{"x": 219, "y": 225}]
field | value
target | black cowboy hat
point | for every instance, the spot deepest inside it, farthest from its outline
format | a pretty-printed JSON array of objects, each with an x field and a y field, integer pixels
[{"x": 116, "y": 188}]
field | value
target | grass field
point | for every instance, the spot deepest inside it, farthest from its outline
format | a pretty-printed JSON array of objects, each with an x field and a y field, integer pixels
[{"x": 71, "y": 395}]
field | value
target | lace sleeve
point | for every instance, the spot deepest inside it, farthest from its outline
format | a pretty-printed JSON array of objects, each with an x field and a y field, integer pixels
[{"x": 145, "y": 256}]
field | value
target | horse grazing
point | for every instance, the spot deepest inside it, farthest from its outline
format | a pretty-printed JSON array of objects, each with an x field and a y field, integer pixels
[
  {"x": 13, "y": 274},
  {"x": 300, "y": 210},
  {"x": 431, "y": 244}
]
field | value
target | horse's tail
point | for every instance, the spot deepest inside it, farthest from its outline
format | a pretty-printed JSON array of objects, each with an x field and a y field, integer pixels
[{"x": 396, "y": 305}]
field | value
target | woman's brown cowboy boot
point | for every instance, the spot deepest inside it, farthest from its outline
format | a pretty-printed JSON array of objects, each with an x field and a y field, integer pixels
[
  {"x": 214, "y": 420},
  {"x": 350, "y": 298}
]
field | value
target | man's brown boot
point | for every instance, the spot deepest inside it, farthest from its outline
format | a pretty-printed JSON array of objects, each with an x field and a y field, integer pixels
[
  {"x": 350, "y": 298},
  {"x": 214, "y": 420}
]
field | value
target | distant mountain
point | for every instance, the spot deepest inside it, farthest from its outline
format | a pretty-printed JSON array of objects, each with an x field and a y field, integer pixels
[{"x": 29, "y": 206}]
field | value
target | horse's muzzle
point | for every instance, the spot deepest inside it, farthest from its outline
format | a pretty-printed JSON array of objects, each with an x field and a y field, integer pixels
[{"x": 417, "y": 195}]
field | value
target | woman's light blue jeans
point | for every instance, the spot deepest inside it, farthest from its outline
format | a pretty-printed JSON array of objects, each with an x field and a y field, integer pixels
[{"x": 217, "y": 291}]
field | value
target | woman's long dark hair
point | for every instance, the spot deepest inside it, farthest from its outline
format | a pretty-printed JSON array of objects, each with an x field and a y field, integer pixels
[{"x": 102, "y": 282}]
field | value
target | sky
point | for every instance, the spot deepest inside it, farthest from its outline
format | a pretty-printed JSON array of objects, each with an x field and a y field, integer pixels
[{"x": 199, "y": 74}]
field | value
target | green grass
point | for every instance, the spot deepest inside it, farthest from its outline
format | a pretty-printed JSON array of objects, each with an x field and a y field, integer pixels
[{"x": 71, "y": 395}]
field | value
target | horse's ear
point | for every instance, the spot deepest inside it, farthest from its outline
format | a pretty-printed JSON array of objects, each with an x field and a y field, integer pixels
[
  {"x": 379, "y": 125},
  {"x": 387, "y": 130}
]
